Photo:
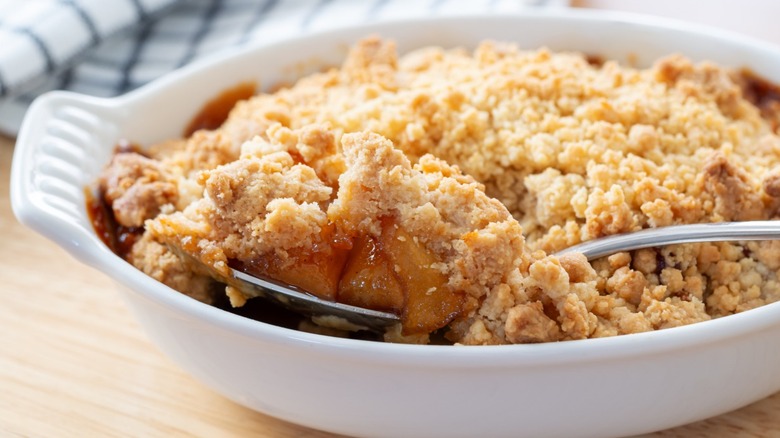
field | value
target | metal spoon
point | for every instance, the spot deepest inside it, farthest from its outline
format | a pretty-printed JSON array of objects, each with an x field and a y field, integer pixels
[{"x": 302, "y": 302}]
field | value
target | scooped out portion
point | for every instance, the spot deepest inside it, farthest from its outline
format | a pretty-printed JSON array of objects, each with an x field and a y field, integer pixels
[
  {"x": 392, "y": 236},
  {"x": 435, "y": 185}
]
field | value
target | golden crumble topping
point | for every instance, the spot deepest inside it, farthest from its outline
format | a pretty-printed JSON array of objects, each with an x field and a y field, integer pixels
[{"x": 438, "y": 184}]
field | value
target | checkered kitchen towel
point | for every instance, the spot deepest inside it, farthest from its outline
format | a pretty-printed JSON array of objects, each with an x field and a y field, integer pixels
[{"x": 108, "y": 47}]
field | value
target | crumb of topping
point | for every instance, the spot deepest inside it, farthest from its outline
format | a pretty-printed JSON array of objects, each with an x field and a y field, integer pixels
[
  {"x": 237, "y": 298},
  {"x": 155, "y": 260},
  {"x": 136, "y": 188},
  {"x": 527, "y": 323},
  {"x": 736, "y": 197}
]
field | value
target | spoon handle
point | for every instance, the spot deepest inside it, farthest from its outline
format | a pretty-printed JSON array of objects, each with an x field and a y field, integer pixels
[{"x": 691, "y": 233}]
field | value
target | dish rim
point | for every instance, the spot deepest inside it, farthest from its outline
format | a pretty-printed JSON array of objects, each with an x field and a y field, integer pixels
[{"x": 561, "y": 353}]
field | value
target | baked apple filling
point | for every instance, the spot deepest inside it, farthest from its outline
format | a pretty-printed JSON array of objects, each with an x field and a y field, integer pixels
[
  {"x": 397, "y": 274},
  {"x": 391, "y": 273}
]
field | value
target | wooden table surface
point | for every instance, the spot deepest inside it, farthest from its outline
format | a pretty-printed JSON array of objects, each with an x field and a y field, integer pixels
[{"x": 73, "y": 362}]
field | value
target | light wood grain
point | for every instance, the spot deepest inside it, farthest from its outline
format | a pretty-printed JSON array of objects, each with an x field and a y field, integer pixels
[{"x": 73, "y": 362}]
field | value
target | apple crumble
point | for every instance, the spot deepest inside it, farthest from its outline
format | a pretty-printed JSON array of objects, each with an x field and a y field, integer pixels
[{"x": 438, "y": 186}]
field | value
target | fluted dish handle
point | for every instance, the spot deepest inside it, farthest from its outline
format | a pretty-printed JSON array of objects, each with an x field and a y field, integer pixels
[{"x": 65, "y": 139}]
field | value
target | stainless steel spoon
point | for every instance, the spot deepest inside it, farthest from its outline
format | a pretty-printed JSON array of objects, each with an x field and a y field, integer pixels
[{"x": 308, "y": 304}]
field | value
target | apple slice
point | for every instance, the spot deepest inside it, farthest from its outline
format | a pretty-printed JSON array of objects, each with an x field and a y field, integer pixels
[
  {"x": 429, "y": 304},
  {"x": 316, "y": 270},
  {"x": 368, "y": 279}
]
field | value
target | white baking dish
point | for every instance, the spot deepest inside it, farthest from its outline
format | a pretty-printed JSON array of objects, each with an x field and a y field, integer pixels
[{"x": 599, "y": 387}]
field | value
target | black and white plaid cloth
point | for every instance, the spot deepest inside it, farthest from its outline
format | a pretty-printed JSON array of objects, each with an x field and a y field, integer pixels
[{"x": 108, "y": 47}]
